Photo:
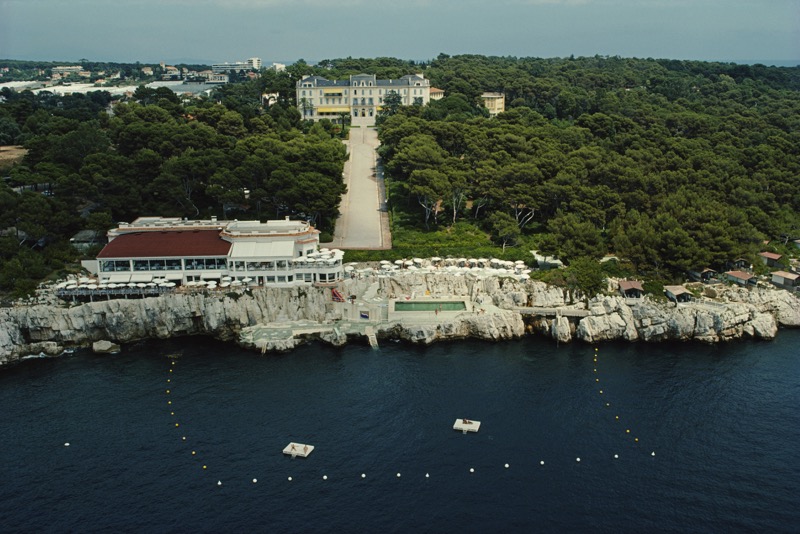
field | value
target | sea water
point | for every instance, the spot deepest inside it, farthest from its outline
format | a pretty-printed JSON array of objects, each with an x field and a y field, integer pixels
[{"x": 611, "y": 438}]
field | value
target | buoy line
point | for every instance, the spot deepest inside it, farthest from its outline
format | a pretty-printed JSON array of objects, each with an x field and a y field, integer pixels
[
  {"x": 608, "y": 404},
  {"x": 363, "y": 475}
]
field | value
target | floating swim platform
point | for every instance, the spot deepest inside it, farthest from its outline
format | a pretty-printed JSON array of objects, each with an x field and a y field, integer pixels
[
  {"x": 466, "y": 425},
  {"x": 298, "y": 449}
]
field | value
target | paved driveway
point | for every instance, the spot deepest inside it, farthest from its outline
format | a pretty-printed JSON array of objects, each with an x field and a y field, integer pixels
[{"x": 363, "y": 219}]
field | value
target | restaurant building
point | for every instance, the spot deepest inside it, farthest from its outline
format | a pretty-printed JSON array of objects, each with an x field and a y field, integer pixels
[{"x": 279, "y": 252}]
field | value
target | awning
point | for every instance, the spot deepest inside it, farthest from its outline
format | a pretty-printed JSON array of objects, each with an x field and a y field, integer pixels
[
  {"x": 174, "y": 276},
  {"x": 118, "y": 278},
  {"x": 211, "y": 276},
  {"x": 255, "y": 251},
  {"x": 343, "y": 109},
  {"x": 141, "y": 278}
]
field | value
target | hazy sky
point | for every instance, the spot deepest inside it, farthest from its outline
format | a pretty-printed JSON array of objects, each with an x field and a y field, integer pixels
[{"x": 285, "y": 30}]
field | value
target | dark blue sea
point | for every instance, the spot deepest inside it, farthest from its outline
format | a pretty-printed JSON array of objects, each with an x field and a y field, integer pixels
[{"x": 723, "y": 422}]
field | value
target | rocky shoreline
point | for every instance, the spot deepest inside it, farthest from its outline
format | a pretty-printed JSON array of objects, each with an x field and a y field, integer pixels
[{"x": 495, "y": 307}]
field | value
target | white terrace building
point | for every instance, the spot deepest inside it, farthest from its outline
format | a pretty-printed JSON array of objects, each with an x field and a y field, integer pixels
[
  {"x": 279, "y": 252},
  {"x": 361, "y": 96}
]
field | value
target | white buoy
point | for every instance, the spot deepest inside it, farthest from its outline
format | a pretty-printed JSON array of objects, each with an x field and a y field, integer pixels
[
  {"x": 427, "y": 475},
  {"x": 398, "y": 475},
  {"x": 577, "y": 459},
  {"x": 653, "y": 453},
  {"x": 541, "y": 463},
  {"x": 471, "y": 470},
  {"x": 255, "y": 480},
  {"x": 616, "y": 456},
  {"x": 66, "y": 444},
  {"x": 363, "y": 475},
  {"x": 506, "y": 466},
  {"x": 324, "y": 477},
  {"x": 290, "y": 479},
  {"x": 219, "y": 482}
]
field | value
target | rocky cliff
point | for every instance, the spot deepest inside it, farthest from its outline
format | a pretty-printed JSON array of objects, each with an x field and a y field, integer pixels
[{"x": 735, "y": 313}]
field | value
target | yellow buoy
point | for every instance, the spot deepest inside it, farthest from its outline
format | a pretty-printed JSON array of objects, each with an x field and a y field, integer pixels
[
  {"x": 184, "y": 438},
  {"x": 601, "y": 392},
  {"x": 627, "y": 430},
  {"x": 616, "y": 417},
  {"x": 172, "y": 413},
  {"x": 168, "y": 380},
  {"x": 169, "y": 402},
  {"x": 597, "y": 380},
  {"x": 205, "y": 467},
  {"x": 193, "y": 453},
  {"x": 176, "y": 424},
  {"x": 167, "y": 391},
  {"x": 636, "y": 440}
]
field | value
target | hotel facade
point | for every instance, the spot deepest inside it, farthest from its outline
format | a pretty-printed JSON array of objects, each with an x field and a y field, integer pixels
[
  {"x": 361, "y": 96},
  {"x": 281, "y": 252}
]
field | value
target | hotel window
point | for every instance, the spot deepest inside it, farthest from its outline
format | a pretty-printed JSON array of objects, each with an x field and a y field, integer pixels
[
  {"x": 302, "y": 93},
  {"x": 370, "y": 91},
  {"x": 355, "y": 91}
]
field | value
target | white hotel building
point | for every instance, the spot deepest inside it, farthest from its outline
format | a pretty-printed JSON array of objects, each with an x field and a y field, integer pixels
[
  {"x": 360, "y": 96},
  {"x": 281, "y": 252}
]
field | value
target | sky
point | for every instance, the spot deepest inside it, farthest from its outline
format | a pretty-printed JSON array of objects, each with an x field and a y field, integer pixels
[{"x": 206, "y": 31}]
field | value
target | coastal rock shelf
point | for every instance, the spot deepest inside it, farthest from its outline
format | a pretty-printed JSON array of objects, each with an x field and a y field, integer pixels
[{"x": 276, "y": 318}]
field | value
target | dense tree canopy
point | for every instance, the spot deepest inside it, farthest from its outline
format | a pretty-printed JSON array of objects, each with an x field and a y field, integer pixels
[
  {"x": 671, "y": 164},
  {"x": 229, "y": 156}
]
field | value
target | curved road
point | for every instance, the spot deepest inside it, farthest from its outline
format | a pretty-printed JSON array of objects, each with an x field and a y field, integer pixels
[{"x": 363, "y": 220}]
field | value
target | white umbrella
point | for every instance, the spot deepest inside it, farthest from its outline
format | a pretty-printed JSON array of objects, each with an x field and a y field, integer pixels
[
  {"x": 71, "y": 286},
  {"x": 91, "y": 286},
  {"x": 236, "y": 283},
  {"x": 247, "y": 279},
  {"x": 398, "y": 262},
  {"x": 141, "y": 286},
  {"x": 226, "y": 278},
  {"x": 385, "y": 262},
  {"x": 348, "y": 268},
  {"x": 436, "y": 258},
  {"x": 169, "y": 284},
  {"x": 62, "y": 285},
  {"x": 83, "y": 280},
  {"x": 112, "y": 286},
  {"x": 386, "y": 267},
  {"x": 225, "y": 284},
  {"x": 408, "y": 262},
  {"x": 413, "y": 268}
]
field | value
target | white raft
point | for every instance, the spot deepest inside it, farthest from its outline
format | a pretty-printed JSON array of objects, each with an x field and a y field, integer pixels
[
  {"x": 466, "y": 425},
  {"x": 298, "y": 449}
]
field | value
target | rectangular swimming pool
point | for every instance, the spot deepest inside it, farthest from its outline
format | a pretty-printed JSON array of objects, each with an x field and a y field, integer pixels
[{"x": 444, "y": 305}]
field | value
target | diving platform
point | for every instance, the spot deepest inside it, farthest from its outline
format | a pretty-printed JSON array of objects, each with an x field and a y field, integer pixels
[
  {"x": 466, "y": 425},
  {"x": 298, "y": 449}
]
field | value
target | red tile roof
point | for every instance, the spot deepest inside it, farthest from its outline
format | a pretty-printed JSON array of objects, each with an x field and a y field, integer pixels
[
  {"x": 770, "y": 255},
  {"x": 626, "y": 285},
  {"x": 741, "y": 275},
  {"x": 166, "y": 245}
]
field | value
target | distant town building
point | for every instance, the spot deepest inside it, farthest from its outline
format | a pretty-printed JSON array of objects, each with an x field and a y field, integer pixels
[
  {"x": 217, "y": 78},
  {"x": 436, "y": 93},
  {"x": 495, "y": 103},
  {"x": 786, "y": 280},
  {"x": 278, "y": 67},
  {"x": 253, "y": 63},
  {"x": 147, "y": 71},
  {"x": 67, "y": 70},
  {"x": 279, "y": 252},
  {"x": 361, "y": 95}
]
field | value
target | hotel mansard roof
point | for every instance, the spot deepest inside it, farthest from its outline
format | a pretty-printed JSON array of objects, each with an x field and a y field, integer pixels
[{"x": 166, "y": 244}]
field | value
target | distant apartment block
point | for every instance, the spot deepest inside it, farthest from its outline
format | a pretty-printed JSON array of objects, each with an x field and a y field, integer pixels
[
  {"x": 278, "y": 67},
  {"x": 253, "y": 63},
  {"x": 217, "y": 78},
  {"x": 147, "y": 71},
  {"x": 495, "y": 103},
  {"x": 360, "y": 96}
]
